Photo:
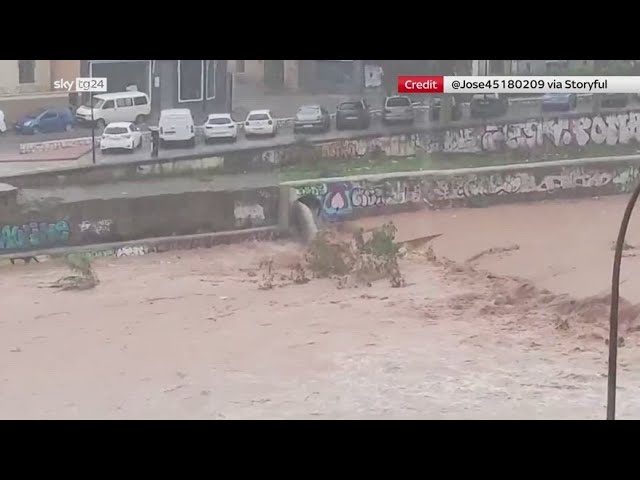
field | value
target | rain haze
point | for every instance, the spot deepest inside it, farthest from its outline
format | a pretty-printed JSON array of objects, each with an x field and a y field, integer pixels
[{"x": 297, "y": 239}]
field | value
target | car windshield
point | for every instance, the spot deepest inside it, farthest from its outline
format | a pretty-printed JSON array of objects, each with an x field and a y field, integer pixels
[
  {"x": 398, "y": 102},
  {"x": 258, "y": 116},
  {"x": 350, "y": 106},
  {"x": 116, "y": 130},
  {"x": 219, "y": 121},
  {"x": 97, "y": 103},
  {"x": 36, "y": 113},
  {"x": 309, "y": 111}
]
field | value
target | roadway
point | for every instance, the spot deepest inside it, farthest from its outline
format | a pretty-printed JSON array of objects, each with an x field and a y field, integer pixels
[
  {"x": 518, "y": 110},
  {"x": 10, "y": 141}
]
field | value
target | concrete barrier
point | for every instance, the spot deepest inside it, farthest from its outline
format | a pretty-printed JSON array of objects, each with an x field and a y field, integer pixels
[
  {"x": 337, "y": 199},
  {"x": 96, "y": 221},
  {"x": 99, "y": 220},
  {"x": 149, "y": 245}
]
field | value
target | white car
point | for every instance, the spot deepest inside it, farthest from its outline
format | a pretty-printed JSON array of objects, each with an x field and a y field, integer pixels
[
  {"x": 260, "y": 122},
  {"x": 220, "y": 125},
  {"x": 176, "y": 125},
  {"x": 121, "y": 136},
  {"x": 3, "y": 125}
]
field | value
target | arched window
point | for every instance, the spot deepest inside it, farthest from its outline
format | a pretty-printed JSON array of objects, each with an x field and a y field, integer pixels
[{"x": 26, "y": 71}]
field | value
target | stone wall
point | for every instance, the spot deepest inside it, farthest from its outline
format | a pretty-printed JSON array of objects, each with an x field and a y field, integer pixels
[
  {"x": 342, "y": 199},
  {"x": 125, "y": 219}
]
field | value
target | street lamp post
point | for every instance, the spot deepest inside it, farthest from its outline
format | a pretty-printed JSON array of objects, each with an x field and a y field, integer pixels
[
  {"x": 205, "y": 85},
  {"x": 93, "y": 131},
  {"x": 615, "y": 300}
]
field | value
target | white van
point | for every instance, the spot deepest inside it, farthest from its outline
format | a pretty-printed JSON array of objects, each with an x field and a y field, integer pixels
[
  {"x": 115, "y": 107},
  {"x": 176, "y": 125}
]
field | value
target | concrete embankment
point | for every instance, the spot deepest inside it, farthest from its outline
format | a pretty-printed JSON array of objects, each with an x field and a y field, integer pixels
[
  {"x": 93, "y": 216},
  {"x": 128, "y": 211},
  {"x": 336, "y": 199},
  {"x": 530, "y": 137}
]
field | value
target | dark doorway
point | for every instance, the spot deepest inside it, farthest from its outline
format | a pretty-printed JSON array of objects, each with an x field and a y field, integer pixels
[
  {"x": 335, "y": 76},
  {"x": 274, "y": 73},
  {"x": 121, "y": 75}
]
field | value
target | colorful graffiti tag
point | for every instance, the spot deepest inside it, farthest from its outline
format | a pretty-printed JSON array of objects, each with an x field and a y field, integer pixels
[
  {"x": 576, "y": 178},
  {"x": 33, "y": 235},
  {"x": 342, "y": 199}
]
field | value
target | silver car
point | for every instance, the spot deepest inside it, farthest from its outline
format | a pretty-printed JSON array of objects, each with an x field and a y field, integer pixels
[
  {"x": 311, "y": 118},
  {"x": 398, "y": 109}
]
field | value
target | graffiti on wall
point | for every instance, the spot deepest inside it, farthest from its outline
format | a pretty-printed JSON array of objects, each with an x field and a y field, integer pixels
[
  {"x": 341, "y": 199},
  {"x": 248, "y": 214},
  {"x": 474, "y": 185},
  {"x": 33, "y": 235},
  {"x": 132, "y": 251},
  {"x": 56, "y": 144},
  {"x": 614, "y": 129},
  {"x": 392, "y": 146},
  {"x": 98, "y": 227}
]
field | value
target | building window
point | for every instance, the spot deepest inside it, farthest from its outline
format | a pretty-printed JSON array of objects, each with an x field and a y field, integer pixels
[
  {"x": 190, "y": 80},
  {"x": 211, "y": 79},
  {"x": 240, "y": 66},
  {"x": 26, "y": 71}
]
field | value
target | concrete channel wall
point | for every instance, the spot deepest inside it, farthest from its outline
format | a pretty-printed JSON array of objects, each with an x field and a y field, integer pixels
[
  {"x": 127, "y": 219},
  {"x": 529, "y": 137},
  {"x": 335, "y": 199}
]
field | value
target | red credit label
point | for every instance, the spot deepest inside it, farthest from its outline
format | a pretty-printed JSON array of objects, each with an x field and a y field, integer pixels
[{"x": 420, "y": 84}]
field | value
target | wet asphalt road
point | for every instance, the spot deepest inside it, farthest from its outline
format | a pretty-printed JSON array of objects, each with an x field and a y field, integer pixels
[{"x": 10, "y": 141}]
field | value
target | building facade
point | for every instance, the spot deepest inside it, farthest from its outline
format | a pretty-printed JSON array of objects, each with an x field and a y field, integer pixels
[
  {"x": 310, "y": 76},
  {"x": 202, "y": 86},
  {"x": 26, "y": 85}
]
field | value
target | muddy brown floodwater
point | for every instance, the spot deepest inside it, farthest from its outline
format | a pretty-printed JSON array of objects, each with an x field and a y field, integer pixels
[{"x": 191, "y": 334}]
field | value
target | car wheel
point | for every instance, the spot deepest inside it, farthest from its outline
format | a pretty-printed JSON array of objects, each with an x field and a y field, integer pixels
[{"x": 100, "y": 124}]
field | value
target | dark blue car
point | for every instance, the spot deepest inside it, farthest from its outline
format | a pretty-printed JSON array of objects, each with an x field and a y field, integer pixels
[
  {"x": 559, "y": 102},
  {"x": 46, "y": 120}
]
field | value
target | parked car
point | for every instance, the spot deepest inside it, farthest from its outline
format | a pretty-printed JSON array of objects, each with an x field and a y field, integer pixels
[
  {"x": 486, "y": 105},
  {"x": 436, "y": 108},
  {"x": 45, "y": 120},
  {"x": 220, "y": 126},
  {"x": 398, "y": 109},
  {"x": 615, "y": 100},
  {"x": 353, "y": 113},
  {"x": 3, "y": 125},
  {"x": 260, "y": 122},
  {"x": 311, "y": 118},
  {"x": 121, "y": 136},
  {"x": 115, "y": 107},
  {"x": 559, "y": 102},
  {"x": 176, "y": 126}
]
